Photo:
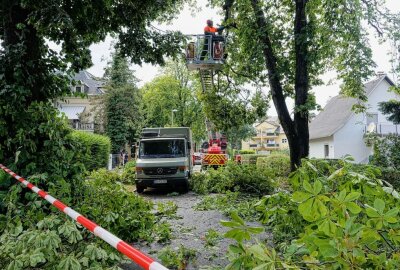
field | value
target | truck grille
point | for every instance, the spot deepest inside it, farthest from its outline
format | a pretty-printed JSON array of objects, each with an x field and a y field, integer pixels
[{"x": 160, "y": 171}]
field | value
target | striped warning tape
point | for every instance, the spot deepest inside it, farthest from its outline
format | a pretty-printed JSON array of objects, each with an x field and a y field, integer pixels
[{"x": 138, "y": 257}]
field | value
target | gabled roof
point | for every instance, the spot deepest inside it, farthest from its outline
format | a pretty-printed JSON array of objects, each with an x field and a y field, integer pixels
[
  {"x": 91, "y": 81},
  {"x": 338, "y": 110}
]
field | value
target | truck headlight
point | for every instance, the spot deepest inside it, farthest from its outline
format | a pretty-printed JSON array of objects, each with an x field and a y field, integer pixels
[{"x": 182, "y": 168}]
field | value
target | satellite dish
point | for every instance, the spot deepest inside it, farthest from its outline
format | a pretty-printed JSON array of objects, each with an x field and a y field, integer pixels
[{"x": 371, "y": 128}]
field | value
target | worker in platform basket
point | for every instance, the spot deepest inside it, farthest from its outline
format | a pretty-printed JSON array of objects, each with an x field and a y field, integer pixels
[{"x": 210, "y": 33}]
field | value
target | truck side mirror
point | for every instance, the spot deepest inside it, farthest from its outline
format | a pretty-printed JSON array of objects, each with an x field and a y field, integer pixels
[{"x": 189, "y": 145}]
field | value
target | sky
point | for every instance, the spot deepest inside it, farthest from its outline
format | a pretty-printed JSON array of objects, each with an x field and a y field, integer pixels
[{"x": 193, "y": 23}]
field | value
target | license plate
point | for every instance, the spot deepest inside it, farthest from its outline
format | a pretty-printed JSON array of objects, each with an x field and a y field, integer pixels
[{"x": 160, "y": 181}]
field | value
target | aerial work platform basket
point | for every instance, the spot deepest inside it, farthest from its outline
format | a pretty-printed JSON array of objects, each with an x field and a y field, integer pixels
[{"x": 205, "y": 52}]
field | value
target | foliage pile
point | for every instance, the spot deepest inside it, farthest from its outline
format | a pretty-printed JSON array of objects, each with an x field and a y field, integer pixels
[
  {"x": 47, "y": 239},
  {"x": 113, "y": 207},
  {"x": 245, "y": 178},
  {"x": 229, "y": 202},
  {"x": 177, "y": 259},
  {"x": 338, "y": 220},
  {"x": 128, "y": 174},
  {"x": 55, "y": 242},
  {"x": 95, "y": 149}
]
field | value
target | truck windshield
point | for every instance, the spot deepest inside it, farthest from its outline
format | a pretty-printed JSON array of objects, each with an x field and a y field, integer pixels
[{"x": 162, "y": 149}]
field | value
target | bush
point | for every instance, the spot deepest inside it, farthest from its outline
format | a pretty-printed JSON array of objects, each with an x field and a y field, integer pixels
[
  {"x": 279, "y": 164},
  {"x": 392, "y": 176},
  {"x": 95, "y": 148},
  {"x": 251, "y": 159},
  {"x": 249, "y": 178},
  {"x": 387, "y": 152},
  {"x": 244, "y": 152}
]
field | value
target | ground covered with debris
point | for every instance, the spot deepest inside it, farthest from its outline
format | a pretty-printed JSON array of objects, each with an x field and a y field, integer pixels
[{"x": 197, "y": 236}]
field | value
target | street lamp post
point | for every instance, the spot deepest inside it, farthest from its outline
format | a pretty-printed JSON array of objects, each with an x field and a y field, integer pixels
[{"x": 172, "y": 114}]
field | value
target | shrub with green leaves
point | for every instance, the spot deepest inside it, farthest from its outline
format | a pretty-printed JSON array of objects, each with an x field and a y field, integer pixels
[
  {"x": 244, "y": 152},
  {"x": 96, "y": 149},
  {"x": 251, "y": 158},
  {"x": 345, "y": 219},
  {"x": 245, "y": 178},
  {"x": 387, "y": 156},
  {"x": 278, "y": 164}
]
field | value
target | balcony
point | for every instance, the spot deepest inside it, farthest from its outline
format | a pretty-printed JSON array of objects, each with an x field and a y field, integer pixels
[
  {"x": 83, "y": 126},
  {"x": 382, "y": 129},
  {"x": 272, "y": 145},
  {"x": 268, "y": 146},
  {"x": 266, "y": 135}
]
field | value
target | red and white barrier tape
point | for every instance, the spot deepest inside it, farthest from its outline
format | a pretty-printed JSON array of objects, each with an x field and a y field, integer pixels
[{"x": 141, "y": 259}]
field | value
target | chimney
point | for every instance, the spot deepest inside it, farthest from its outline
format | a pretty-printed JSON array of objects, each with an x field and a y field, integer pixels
[{"x": 380, "y": 73}]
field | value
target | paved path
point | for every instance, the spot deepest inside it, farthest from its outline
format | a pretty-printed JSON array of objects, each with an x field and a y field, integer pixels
[{"x": 189, "y": 230}]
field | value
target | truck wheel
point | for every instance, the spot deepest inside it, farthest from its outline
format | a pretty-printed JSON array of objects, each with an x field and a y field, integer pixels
[{"x": 139, "y": 189}]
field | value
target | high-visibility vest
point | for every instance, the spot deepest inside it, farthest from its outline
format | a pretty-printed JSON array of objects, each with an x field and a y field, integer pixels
[{"x": 210, "y": 29}]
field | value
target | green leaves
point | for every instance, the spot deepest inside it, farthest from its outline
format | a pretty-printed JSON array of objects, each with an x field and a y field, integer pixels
[
  {"x": 240, "y": 231},
  {"x": 377, "y": 215},
  {"x": 311, "y": 205},
  {"x": 69, "y": 230},
  {"x": 69, "y": 263}
]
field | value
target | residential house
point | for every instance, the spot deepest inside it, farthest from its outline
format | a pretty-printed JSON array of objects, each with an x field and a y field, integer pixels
[
  {"x": 269, "y": 137},
  {"x": 337, "y": 131},
  {"x": 78, "y": 109}
]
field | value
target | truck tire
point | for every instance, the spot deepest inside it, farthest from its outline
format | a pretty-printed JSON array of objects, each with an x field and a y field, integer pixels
[{"x": 139, "y": 189}]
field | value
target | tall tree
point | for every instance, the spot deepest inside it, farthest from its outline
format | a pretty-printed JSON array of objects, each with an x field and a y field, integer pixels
[
  {"x": 122, "y": 111},
  {"x": 289, "y": 44},
  {"x": 175, "y": 89},
  {"x": 31, "y": 73}
]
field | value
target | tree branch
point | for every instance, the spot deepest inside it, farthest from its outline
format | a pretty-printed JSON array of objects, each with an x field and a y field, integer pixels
[{"x": 273, "y": 74}]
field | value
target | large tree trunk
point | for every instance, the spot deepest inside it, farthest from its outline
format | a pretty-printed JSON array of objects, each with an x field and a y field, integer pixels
[{"x": 295, "y": 129}]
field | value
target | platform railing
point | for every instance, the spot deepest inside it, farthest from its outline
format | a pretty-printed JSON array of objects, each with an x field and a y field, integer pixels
[{"x": 202, "y": 48}]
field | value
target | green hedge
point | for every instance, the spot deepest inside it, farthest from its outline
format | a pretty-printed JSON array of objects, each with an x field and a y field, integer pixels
[
  {"x": 279, "y": 164},
  {"x": 392, "y": 176},
  {"x": 244, "y": 152},
  {"x": 95, "y": 149}
]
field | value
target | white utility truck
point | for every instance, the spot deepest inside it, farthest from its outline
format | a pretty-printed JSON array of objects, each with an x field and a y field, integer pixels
[{"x": 164, "y": 158}]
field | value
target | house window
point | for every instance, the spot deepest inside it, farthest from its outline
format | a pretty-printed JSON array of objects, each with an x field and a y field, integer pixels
[
  {"x": 78, "y": 89},
  {"x": 326, "y": 151},
  {"x": 284, "y": 140}
]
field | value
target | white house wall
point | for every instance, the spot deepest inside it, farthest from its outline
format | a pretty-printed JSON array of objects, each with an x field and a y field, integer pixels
[
  {"x": 317, "y": 147},
  {"x": 349, "y": 140}
]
